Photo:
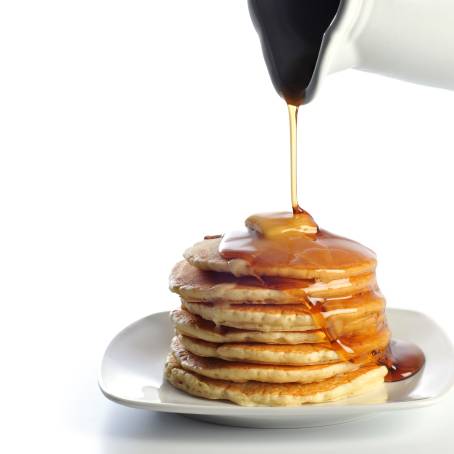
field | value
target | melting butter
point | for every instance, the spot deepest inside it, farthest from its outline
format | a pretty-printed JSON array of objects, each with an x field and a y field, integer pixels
[{"x": 282, "y": 224}]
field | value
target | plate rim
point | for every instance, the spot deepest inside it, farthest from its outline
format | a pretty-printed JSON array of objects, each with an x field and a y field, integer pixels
[{"x": 303, "y": 410}]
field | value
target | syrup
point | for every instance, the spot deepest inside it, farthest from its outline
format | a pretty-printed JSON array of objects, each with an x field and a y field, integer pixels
[
  {"x": 293, "y": 120},
  {"x": 293, "y": 240},
  {"x": 323, "y": 252},
  {"x": 403, "y": 359}
]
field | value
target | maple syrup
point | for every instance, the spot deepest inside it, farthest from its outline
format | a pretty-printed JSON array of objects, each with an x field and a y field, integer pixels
[
  {"x": 322, "y": 252},
  {"x": 325, "y": 251},
  {"x": 403, "y": 359},
  {"x": 293, "y": 121}
]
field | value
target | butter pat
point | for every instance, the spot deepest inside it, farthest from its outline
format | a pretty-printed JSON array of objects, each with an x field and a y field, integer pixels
[{"x": 282, "y": 224}]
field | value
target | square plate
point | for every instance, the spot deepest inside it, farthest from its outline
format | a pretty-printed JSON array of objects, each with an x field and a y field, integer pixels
[{"x": 131, "y": 373}]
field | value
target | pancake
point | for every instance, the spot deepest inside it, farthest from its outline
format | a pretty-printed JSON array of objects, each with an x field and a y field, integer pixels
[
  {"x": 193, "y": 284},
  {"x": 255, "y": 317},
  {"x": 205, "y": 256},
  {"x": 253, "y": 393},
  {"x": 242, "y": 372},
  {"x": 357, "y": 314},
  {"x": 194, "y": 326},
  {"x": 289, "y": 355}
]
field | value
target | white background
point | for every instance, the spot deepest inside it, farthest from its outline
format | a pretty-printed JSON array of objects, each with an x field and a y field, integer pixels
[{"x": 128, "y": 130}]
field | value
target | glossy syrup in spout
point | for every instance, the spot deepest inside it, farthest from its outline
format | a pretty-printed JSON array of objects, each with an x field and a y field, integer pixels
[{"x": 291, "y": 34}]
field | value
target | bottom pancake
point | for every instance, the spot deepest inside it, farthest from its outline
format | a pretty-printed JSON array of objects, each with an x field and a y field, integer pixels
[
  {"x": 242, "y": 372},
  {"x": 255, "y": 393}
]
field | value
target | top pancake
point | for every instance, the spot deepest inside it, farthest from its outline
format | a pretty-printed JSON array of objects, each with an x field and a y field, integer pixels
[{"x": 205, "y": 256}]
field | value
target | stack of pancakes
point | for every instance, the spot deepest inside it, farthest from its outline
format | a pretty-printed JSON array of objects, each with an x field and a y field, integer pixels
[{"x": 269, "y": 336}]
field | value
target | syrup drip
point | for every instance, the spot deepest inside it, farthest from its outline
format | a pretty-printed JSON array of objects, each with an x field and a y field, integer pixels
[{"x": 293, "y": 119}]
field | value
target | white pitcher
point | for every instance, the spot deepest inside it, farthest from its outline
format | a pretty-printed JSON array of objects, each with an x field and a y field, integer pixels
[{"x": 407, "y": 39}]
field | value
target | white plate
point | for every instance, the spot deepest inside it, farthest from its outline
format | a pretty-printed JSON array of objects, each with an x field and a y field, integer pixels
[{"x": 131, "y": 374}]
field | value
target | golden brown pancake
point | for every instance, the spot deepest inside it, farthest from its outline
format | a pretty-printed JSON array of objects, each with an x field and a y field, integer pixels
[
  {"x": 194, "y": 326},
  {"x": 205, "y": 256},
  {"x": 287, "y": 354},
  {"x": 239, "y": 372},
  {"x": 254, "y": 393},
  {"x": 345, "y": 316},
  {"x": 193, "y": 284}
]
